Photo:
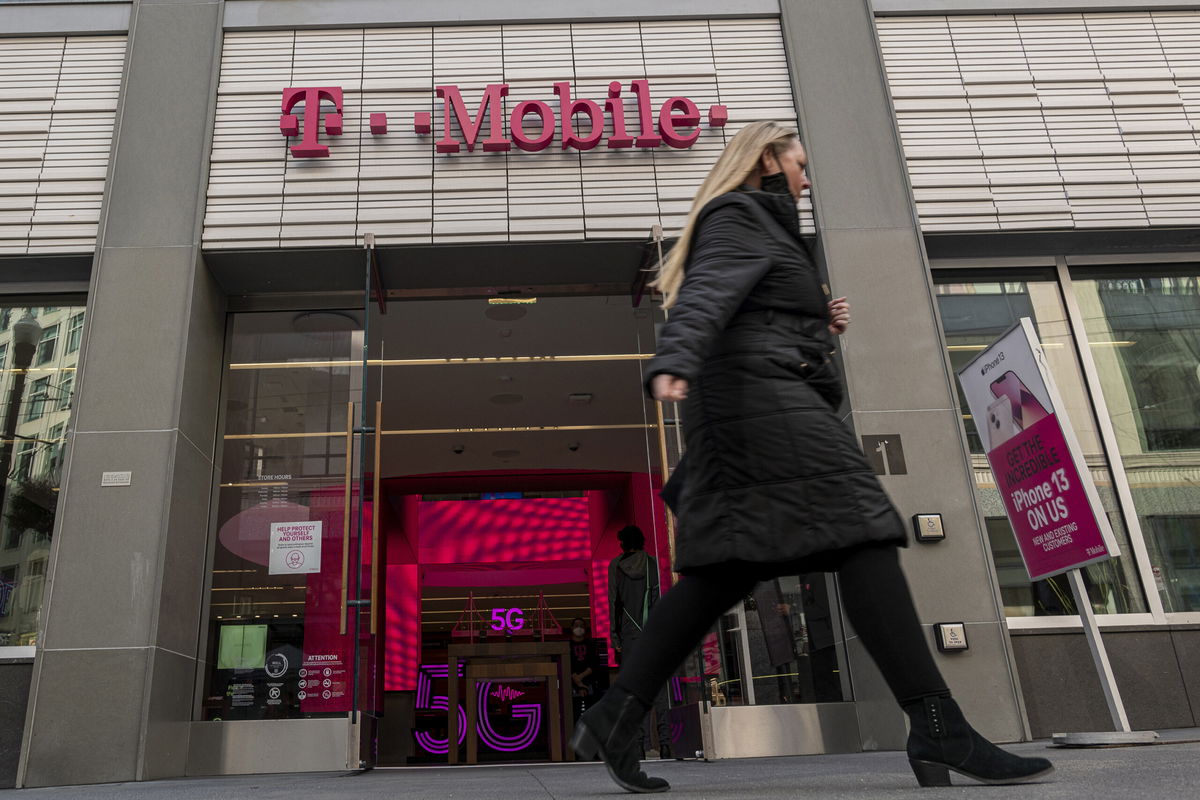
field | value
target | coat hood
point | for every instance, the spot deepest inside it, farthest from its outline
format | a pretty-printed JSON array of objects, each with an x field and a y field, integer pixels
[{"x": 633, "y": 564}]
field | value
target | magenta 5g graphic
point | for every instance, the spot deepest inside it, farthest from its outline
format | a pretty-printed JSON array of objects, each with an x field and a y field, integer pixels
[
  {"x": 510, "y": 620},
  {"x": 530, "y": 713}
]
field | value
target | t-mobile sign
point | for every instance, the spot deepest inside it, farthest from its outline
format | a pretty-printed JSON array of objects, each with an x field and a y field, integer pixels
[
  {"x": 531, "y": 125},
  {"x": 1047, "y": 489}
]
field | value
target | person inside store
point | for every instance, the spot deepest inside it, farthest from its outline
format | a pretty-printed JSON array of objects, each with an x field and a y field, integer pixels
[
  {"x": 633, "y": 589},
  {"x": 585, "y": 667},
  {"x": 772, "y": 482}
]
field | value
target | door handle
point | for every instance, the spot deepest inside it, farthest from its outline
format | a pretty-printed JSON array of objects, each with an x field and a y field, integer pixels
[
  {"x": 664, "y": 465},
  {"x": 346, "y": 516},
  {"x": 375, "y": 498}
]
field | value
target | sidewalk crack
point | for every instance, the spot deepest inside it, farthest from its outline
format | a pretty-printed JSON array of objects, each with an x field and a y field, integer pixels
[{"x": 549, "y": 793}]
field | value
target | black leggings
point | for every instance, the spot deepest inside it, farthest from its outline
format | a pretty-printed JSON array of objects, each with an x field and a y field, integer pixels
[{"x": 875, "y": 597}]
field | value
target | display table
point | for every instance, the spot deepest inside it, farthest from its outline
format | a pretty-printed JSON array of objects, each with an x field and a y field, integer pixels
[{"x": 510, "y": 661}]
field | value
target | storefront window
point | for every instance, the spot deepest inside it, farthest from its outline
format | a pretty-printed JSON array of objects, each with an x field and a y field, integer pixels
[
  {"x": 284, "y": 460},
  {"x": 974, "y": 313},
  {"x": 35, "y": 389},
  {"x": 1144, "y": 330}
]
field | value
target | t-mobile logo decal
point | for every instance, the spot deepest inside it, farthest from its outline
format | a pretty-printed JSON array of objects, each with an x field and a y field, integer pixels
[
  {"x": 311, "y": 96},
  {"x": 580, "y": 123}
]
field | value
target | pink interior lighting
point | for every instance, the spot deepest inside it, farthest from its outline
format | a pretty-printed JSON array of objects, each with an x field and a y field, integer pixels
[
  {"x": 496, "y": 531},
  {"x": 508, "y": 542}
]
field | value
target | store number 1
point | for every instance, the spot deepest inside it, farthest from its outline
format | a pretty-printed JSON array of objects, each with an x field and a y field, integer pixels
[{"x": 508, "y": 619}]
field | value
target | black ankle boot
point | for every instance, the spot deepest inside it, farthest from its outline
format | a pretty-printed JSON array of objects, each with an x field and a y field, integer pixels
[
  {"x": 941, "y": 740},
  {"x": 612, "y": 731}
]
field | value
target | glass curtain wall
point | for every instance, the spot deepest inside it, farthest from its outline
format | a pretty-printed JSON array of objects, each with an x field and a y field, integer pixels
[
  {"x": 37, "y": 378},
  {"x": 975, "y": 309},
  {"x": 1143, "y": 326}
]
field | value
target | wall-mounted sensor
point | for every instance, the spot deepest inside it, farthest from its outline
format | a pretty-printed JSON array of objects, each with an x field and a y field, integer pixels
[
  {"x": 928, "y": 527},
  {"x": 950, "y": 636}
]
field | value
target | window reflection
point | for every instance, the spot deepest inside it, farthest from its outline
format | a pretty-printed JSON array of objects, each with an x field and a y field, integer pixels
[
  {"x": 790, "y": 640},
  {"x": 974, "y": 313},
  {"x": 36, "y": 381},
  {"x": 1145, "y": 336}
]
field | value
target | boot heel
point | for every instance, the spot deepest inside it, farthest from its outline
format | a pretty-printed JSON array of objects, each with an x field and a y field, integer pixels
[
  {"x": 930, "y": 774},
  {"x": 584, "y": 743}
]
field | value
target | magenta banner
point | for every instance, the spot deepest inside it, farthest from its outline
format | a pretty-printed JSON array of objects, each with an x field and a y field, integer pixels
[
  {"x": 1044, "y": 496},
  {"x": 1043, "y": 481}
]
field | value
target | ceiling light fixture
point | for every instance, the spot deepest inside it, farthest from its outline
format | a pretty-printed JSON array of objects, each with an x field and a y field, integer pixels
[
  {"x": 441, "y": 362},
  {"x": 432, "y": 431}
]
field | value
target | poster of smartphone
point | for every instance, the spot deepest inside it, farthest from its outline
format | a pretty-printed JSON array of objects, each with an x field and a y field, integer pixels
[
  {"x": 1000, "y": 423},
  {"x": 1026, "y": 408},
  {"x": 1036, "y": 462}
]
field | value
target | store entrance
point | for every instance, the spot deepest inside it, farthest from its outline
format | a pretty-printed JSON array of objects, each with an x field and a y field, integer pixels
[
  {"x": 496, "y": 568},
  {"x": 503, "y": 444},
  {"x": 436, "y": 484}
]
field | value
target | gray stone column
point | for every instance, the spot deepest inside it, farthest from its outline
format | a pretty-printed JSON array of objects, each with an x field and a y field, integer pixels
[
  {"x": 116, "y": 660},
  {"x": 896, "y": 371}
]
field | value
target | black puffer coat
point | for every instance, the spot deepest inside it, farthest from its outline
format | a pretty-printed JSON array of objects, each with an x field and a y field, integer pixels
[{"x": 771, "y": 474}]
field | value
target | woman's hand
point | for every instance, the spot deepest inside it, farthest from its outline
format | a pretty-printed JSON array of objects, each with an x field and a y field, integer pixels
[
  {"x": 839, "y": 316},
  {"x": 669, "y": 388}
]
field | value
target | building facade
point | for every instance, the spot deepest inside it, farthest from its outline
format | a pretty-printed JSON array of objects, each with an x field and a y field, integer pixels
[{"x": 322, "y": 347}]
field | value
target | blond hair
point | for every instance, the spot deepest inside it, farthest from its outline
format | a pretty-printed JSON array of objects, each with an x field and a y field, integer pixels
[{"x": 737, "y": 163}]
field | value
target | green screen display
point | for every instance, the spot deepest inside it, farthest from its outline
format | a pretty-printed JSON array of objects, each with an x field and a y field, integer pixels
[{"x": 242, "y": 647}]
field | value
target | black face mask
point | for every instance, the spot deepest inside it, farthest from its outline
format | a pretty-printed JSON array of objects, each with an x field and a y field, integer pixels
[{"x": 776, "y": 184}]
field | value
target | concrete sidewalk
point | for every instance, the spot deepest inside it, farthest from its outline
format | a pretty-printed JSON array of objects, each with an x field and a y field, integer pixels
[{"x": 1132, "y": 773}]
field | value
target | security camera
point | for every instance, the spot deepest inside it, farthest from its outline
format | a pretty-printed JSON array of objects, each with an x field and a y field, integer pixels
[
  {"x": 573, "y": 446},
  {"x": 458, "y": 449}
]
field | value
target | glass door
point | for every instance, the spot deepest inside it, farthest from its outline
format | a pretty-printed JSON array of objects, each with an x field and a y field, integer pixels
[
  {"x": 501, "y": 444},
  {"x": 286, "y": 620}
]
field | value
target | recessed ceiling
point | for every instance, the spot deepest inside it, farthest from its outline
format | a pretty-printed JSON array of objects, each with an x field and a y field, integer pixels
[
  {"x": 506, "y": 399},
  {"x": 505, "y": 313}
]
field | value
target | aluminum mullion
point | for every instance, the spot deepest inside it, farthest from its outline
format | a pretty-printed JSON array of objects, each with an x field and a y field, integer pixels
[
  {"x": 1109, "y": 437},
  {"x": 1072, "y": 622},
  {"x": 744, "y": 648}
]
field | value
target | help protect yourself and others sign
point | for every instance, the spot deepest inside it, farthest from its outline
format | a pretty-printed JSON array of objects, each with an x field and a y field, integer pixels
[
  {"x": 295, "y": 548},
  {"x": 1035, "y": 457}
]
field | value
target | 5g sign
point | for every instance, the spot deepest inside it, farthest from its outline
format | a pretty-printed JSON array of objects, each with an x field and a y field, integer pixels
[{"x": 508, "y": 619}]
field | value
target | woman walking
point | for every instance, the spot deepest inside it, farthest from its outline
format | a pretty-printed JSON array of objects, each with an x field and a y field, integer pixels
[{"x": 773, "y": 483}]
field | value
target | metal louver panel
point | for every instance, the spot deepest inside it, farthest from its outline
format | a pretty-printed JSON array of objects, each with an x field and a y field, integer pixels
[
  {"x": 58, "y": 100},
  {"x": 1048, "y": 120},
  {"x": 398, "y": 188}
]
